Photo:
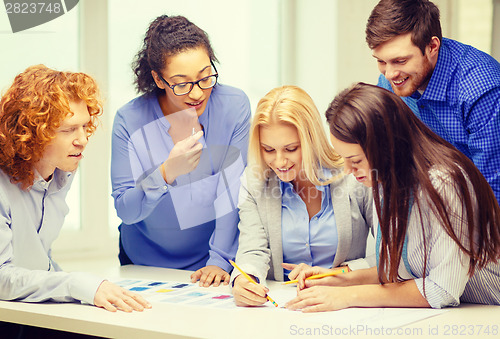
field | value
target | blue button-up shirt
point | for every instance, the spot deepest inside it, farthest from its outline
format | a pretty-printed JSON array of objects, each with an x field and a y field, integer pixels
[
  {"x": 462, "y": 104},
  {"x": 314, "y": 241},
  {"x": 193, "y": 223}
]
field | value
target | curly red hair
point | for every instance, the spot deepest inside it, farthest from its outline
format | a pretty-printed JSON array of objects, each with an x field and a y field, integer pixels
[{"x": 32, "y": 110}]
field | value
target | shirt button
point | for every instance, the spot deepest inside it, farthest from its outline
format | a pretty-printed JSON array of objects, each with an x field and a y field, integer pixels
[
  {"x": 165, "y": 188},
  {"x": 307, "y": 245}
]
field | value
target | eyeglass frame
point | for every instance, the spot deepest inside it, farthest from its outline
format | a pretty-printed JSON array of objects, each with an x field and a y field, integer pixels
[{"x": 191, "y": 82}]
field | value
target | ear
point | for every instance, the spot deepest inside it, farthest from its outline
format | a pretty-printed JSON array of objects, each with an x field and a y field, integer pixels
[
  {"x": 432, "y": 49},
  {"x": 157, "y": 80}
]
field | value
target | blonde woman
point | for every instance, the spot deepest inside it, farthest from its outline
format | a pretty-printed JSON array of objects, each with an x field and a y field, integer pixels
[{"x": 296, "y": 208}]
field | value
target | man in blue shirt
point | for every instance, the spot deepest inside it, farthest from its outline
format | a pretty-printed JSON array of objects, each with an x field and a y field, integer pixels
[{"x": 452, "y": 87}]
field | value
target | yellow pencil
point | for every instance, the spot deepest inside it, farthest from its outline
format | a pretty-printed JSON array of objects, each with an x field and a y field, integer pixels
[
  {"x": 318, "y": 276},
  {"x": 251, "y": 280}
]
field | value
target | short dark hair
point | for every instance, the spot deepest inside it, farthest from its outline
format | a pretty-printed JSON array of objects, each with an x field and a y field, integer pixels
[
  {"x": 391, "y": 18},
  {"x": 166, "y": 36}
]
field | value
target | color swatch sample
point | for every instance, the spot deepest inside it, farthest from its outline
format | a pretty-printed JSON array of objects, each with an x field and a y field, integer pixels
[{"x": 178, "y": 293}]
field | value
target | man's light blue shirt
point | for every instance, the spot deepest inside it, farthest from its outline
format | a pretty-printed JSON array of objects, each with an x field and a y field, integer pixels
[
  {"x": 30, "y": 220},
  {"x": 462, "y": 104},
  {"x": 313, "y": 242}
]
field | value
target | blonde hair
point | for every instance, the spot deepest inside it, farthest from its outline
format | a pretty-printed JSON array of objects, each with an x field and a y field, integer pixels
[{"x": 293, "y": 106}]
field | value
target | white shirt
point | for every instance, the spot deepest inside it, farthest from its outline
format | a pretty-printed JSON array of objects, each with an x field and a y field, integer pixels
[{"x": 447, "y": 282}]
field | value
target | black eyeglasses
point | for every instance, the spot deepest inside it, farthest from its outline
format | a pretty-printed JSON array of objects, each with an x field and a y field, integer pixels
[{"x": 184, "y": 88}]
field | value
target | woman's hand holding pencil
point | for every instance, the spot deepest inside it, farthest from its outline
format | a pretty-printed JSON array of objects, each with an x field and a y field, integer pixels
[
  {"x": 316, "y": 275},
  {"x": 247, "y": 292}
]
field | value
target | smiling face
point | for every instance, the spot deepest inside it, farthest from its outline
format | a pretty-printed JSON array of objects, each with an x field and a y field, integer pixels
[
  {"x": 281, "y": 151},
  {"x": 191, "y": 65},
  {"x": 355, "y": 161},
  {"x": 65, "y": 150},
  {"x": 403, "y": 64}
]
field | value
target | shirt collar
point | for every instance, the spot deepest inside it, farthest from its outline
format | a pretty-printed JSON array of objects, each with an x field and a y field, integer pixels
[
  {"x": 59, "y": 179},
  {"x": 284, "y": 186},
  {"x": 436, "y": 89},
  {"x": 203, "y": 119}
]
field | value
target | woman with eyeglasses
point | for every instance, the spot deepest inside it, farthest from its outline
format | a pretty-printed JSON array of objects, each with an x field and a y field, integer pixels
[
  {"x": 178, "y": 151},
  {"x": 438, "y": 238}
]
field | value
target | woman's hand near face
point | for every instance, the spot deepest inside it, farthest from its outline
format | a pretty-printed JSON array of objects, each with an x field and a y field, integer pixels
[
  {"x": 183, "y": 158},
  {"x": 247, "y": 293}
]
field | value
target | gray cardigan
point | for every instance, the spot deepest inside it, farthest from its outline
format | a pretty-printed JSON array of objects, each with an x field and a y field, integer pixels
[{"x": 260, "y": 251}]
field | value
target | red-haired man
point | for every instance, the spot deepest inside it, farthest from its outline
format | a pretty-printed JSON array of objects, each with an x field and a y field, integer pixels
[{"x": 46, "y": 118}]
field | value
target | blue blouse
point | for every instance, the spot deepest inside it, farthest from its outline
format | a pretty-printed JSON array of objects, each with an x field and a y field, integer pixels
[
  {"x": 192, "y": 223},
  {"x": 313, "y": 242}
]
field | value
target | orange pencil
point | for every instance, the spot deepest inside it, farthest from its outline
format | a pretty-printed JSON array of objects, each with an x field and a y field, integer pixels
[
  {"x": 251, "y": 280},
  {"x": 318, "y": 276}
]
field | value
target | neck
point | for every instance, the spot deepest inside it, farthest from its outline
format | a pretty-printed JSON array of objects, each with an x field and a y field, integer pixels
[
  {"x": 302, "y": 185},
  {"x": 163, "y": 101},
  {"x": 44, "y": 173},
  {"x": 309, "y": 195}
]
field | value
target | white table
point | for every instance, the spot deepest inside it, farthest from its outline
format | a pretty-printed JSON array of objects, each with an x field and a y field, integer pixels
[{"x": 173, "y": 320}]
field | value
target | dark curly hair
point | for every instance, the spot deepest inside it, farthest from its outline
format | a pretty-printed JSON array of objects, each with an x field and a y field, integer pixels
[
  {"x": 166, "y": 36},
  {"x": 32, "y": 110}
]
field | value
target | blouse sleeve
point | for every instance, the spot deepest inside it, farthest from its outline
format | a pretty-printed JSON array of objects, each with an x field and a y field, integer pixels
[
  {"x": 135, "y": 198},
  {"x": 447, "y": 265},
  {"x": 224, "y": 241},
  {"x": 35, "y": 285}
]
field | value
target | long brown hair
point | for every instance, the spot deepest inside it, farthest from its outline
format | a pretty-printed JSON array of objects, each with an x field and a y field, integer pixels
[{"x": 401, "y": 151}]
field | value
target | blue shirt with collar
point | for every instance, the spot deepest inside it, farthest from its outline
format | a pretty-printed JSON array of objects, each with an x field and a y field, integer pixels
[
  {"x": 313, "y": 242},
  {"x": 462, "y": 104},
  {"x": 194, "y": 222}
]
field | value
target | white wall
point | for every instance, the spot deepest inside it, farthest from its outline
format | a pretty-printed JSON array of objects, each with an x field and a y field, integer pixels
[{"x": 318, "y": 45}]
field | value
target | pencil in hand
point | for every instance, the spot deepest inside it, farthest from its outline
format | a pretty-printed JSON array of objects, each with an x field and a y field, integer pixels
[
  {"x": 249, "y": 278},
  {"x": 337, "y": 271}
]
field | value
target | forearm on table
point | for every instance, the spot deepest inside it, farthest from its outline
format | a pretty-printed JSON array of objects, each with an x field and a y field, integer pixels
[
  {"x": 366, "y": 276},
  {"x": 400, "y": 294}
]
